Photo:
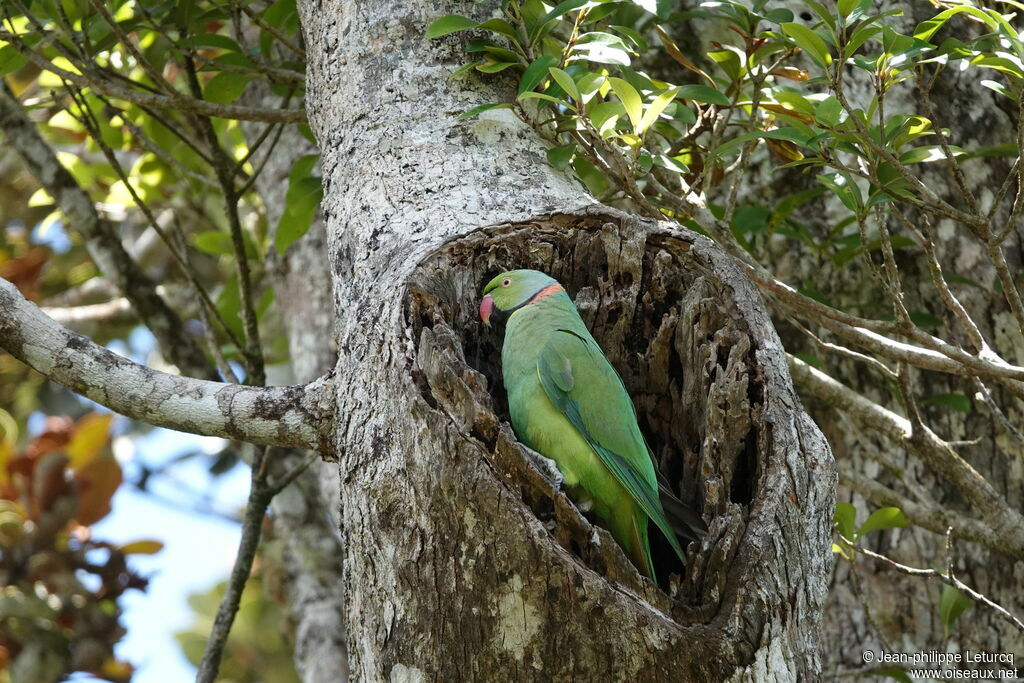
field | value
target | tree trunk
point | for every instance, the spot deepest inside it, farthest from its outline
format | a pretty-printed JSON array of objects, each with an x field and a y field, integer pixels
[
  {"x": 305, "y": 514},
  {"x": 461, "y": 560}
]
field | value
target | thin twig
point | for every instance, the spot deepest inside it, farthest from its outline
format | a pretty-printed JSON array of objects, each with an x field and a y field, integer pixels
[
  {"x": 945, "y": 577},
  {"x": 90, "y": 79},
  {"x": 252, "y": 523}
]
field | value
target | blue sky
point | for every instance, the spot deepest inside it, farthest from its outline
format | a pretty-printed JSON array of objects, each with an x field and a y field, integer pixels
[
  {"x": 198, "y": 552},
  {"x": 199, "y": 548}
]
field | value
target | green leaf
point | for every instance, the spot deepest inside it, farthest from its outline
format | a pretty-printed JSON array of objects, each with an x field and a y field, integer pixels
[
  {"x": 602, "y": 54},
  {"x": 928, "y": 153},
  {"x": 502, "y": 54},
  {"x": 449, "y": 24},
  {"x": 809, "y": 41},
  {"x": 11, "y": 60},
  {"x": 301, "y": 202},
  {"x": 844, "y": 188},
  {"x": 215, "y": 40},
  {"x": 926, "y": 29},
  {"x": 482, "y": 108},
  {"x": 492, "y": 67},
  {"x": 464, "y": 68},
  {"x": 499, "y": 26},
  {"x": 214, "y": 242},
  {"x": 788, "y": 133},
  {"x": 655, "y": 108},
  {"x": 558, "y": 11},
  {"x": 559, "y": 157},
  {"x": 845, "y": 518},
  {"x": 828, "y": 111},
  {"x": 703, "y": 93},
  {"x": 533, "y": 95},
  {"x": 630, "y": 99},
  {"x": 535, "y": 73},
  {"x": 811, "y": 359},
  {"x": 883, "y": 518},
  {"x": 729, "y": 62},
  {"x": 568, "y": 84},
  {"x": 951, "y": 605},
  {"x": 956, "y": 401},
  {"x": 847, "y": 6},
  {"x": 226, "y": 87},
  {"x": 923, "y": 319},
  {"x": 605, "y": 114}
]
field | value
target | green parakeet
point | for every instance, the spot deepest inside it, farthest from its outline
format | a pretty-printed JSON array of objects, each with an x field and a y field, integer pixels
[{"x": 567, "y": 402}]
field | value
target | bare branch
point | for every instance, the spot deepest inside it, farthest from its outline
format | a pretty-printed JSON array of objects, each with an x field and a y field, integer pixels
[
  {"x": 933, "y": 518},
  {"x": 252, "y": 523},
  {"x": 296, "y": 416},
  {"x": 920, "y": 441},
  {"x": 178, "y": 102},
  {"x": 114, "y": 312}
]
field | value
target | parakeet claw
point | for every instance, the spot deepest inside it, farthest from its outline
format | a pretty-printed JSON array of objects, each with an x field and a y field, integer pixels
[{"x": 546, "y": 466}]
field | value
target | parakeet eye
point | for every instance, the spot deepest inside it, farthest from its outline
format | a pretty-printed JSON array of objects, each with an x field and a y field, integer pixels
[{"x": 506, "y": 282}]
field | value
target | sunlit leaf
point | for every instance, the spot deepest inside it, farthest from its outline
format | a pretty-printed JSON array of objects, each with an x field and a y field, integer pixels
[
  {"x": 809, "y": 41},
  {"x": 630, "y": 99},
  {"x": 535, "y": 73},
  {"x": 142, "y": 548},
  {"x": 89, "y": 438},
  {"x": 449, "y": 24},
  {"x": 655, "y": 109},
  {"x": 883, "y": 518},
  {"x": 568, "y": 84}
]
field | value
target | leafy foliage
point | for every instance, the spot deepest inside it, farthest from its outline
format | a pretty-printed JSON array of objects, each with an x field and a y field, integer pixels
[
  {"x": 672, "y": 130},
  {"x": 138, "y": 96},
  {"x": 256, "y": 649},
  {"x": 59, "y": 606}
]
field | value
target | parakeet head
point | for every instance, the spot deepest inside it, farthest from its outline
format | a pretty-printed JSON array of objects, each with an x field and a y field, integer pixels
[{"x": 514, "y": 289}]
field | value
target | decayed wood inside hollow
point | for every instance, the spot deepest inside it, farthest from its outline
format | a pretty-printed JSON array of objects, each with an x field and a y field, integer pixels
[{"x": 670, "y": 328}]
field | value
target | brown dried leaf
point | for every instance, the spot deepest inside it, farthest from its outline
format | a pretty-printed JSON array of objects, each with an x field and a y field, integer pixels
[
  {"x": 676, "y": 54},
  {"x": 790, "y": 72},
  {"x": 96, "y": 484}
]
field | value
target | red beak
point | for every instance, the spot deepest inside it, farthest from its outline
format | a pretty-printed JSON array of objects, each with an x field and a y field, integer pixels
[{"x": 486, "y": 307}]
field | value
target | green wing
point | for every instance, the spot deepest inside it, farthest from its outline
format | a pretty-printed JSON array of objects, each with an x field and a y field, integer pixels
[{"x": 583, "y": 385}]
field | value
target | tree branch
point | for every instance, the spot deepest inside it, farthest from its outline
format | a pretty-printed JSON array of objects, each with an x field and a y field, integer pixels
[
  {"x": 177, "y": 102},
  {"x": 296, "y": 416},
  {"x": 102, "y": 241},
  {"x": 947, "y": 578},
  {"x": 938, "y": 455}
]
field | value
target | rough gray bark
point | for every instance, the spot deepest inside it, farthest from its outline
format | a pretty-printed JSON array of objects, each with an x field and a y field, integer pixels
[
  {"x": 305, "y": 513},
  {"x": 461, "y": 561}
]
